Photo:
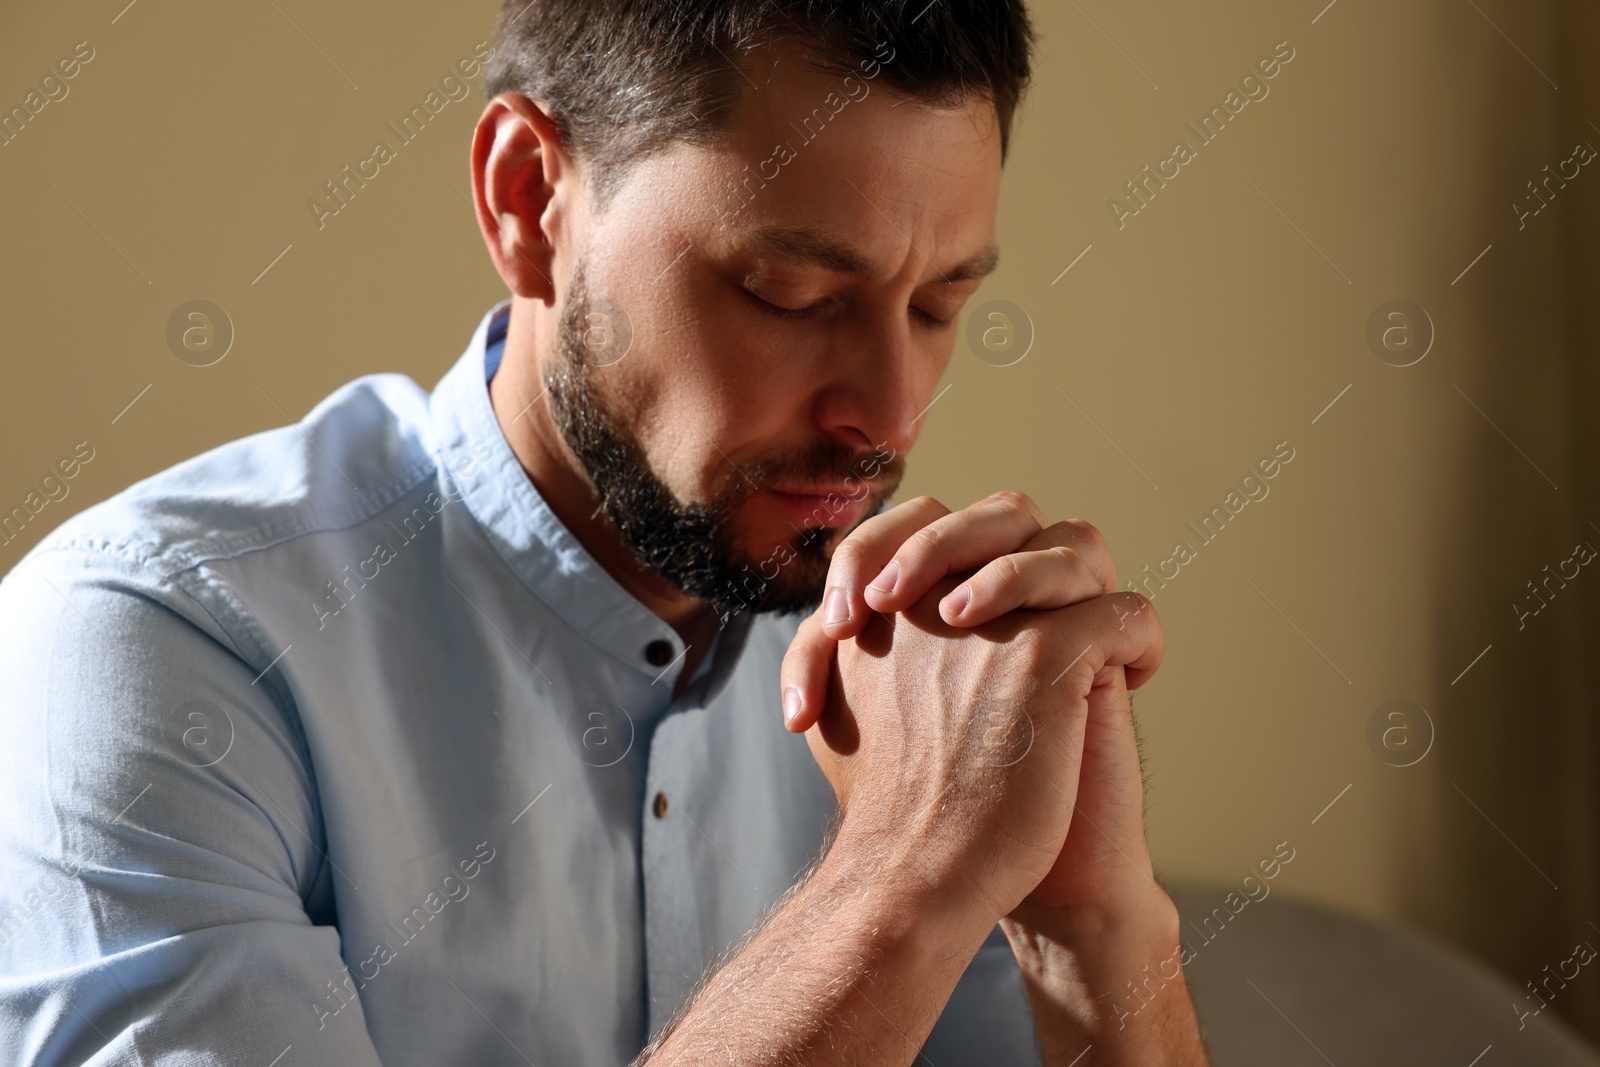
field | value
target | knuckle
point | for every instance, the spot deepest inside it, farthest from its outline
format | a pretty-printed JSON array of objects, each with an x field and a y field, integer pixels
[
  {"x": 1078, "y": 682},
  {"x": 847, "y": 557},
  {"x": 928, "y": 504},
  {"x": 1092, "y": 547},
  {"x": 1007, "y": 571},
  {"x": 1014, "y": 501},
  {"x": 1067, "y": 555},
  {"x": 1104, "y": 576},
  {"x": 923, "y": 542},
  {"x": 1035, "y": 647},
  {"x": 1136, "y": 608},
  {"x": 1135, "y": 603},
  {"x": 1085, "y": 532},
  {"x": 1064, "y": 666}
]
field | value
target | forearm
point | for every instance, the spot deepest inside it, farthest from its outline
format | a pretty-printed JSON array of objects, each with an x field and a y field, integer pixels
[
  {"x": 1108, "y": 991},
  {"x": 854, "y": 967}
]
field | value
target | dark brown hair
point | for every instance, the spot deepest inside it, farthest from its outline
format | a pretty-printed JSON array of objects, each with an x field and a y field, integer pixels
[{"x": 625, "y": 78}]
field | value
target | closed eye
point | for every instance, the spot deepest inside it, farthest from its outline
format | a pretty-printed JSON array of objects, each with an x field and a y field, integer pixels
[{"x": 781, "y": 312}]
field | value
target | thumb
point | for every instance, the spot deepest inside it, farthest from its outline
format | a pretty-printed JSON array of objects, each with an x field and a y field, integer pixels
[{"x": 803, "y": 680}]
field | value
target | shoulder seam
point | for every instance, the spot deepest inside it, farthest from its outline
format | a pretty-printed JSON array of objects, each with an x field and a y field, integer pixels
[{"x": 180, "y": 560}]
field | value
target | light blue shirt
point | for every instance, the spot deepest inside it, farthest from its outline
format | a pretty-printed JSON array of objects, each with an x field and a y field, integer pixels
[{"x": 332, "y": 745}]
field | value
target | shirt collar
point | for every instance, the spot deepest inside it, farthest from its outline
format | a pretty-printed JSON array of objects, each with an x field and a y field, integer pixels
[{"x": 475, "y": 455}]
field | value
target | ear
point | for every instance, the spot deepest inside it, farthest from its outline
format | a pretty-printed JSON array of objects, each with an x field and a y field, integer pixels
[{"x": 522, "y": 182}]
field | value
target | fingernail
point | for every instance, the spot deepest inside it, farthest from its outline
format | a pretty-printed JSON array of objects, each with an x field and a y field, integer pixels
[
  {"x": 884, "y": 582},
  {"x": 836, "y": 608},
  {"x": 957, "y": 600},
  {"x": 791, "y": 705}
]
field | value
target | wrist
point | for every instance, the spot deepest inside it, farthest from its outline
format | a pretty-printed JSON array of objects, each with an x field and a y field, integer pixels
[
  {"x": 911, "y": 892},
  {"x": 1144, "y": 919},
  {"x": 1102, "y": 974}
]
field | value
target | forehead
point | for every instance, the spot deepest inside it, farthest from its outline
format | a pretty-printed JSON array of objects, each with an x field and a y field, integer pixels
[
  {"x": 810, "y": 246},
  {"x": 842, "y": 171}
]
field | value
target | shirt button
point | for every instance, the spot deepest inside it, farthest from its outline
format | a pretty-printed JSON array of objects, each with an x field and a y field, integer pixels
[
  {"x": 660, "y": 806},
  {"x": 658, "y": 653}
]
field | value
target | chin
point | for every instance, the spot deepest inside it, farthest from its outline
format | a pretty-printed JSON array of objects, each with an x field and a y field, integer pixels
[
  {"x": 779, "y": 568},
  {"x": 763, "y": 536}
]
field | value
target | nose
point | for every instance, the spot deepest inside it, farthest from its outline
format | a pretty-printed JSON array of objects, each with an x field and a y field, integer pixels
[{"x": 879, "y": 383}]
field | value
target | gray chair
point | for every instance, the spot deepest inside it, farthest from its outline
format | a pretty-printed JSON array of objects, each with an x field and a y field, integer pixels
[{"x": 1285, "y": 983}]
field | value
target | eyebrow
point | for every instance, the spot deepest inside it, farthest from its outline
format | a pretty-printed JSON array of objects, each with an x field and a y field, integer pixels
[{"x": 809, "y": 247}]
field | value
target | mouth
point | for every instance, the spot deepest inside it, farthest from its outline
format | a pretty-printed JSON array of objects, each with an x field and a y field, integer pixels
[{"x": 829, "y": 506}]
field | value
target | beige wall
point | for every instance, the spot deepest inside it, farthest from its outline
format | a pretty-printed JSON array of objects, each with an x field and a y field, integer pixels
[{"x": 1213, "y": 325}]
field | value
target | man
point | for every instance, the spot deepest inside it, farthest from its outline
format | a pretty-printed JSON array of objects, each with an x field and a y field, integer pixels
[{"x": 446, "y": 728}]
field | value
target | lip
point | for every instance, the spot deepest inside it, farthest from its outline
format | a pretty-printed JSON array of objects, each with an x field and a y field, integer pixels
[
  {"x": 836, "y": 488},
  {"x": 829, "y": 506}
]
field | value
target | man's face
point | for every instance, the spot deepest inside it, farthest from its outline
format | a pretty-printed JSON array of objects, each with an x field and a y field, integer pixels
[{"x": 792, "y": 300}]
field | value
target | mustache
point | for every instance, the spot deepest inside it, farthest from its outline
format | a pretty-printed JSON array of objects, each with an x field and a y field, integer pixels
[{"x": 879, "y": 470}]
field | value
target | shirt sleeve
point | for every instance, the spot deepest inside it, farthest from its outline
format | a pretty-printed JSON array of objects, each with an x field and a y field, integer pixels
[{"x": 159, "y": 836}]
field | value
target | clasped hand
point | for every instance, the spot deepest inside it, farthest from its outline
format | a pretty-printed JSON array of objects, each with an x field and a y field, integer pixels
[{"x": 964, "y": 687}]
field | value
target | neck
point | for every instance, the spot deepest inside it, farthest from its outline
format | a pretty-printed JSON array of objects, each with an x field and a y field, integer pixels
[{"x": 518, "y": 396}]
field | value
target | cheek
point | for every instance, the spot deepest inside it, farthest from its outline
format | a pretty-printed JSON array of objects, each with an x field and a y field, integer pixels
[
  {"x": 686, "y": 418},
  {"x": 738, "y": 388},
  {"x": 707, "y": 381}
]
